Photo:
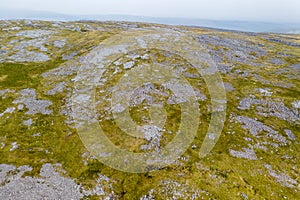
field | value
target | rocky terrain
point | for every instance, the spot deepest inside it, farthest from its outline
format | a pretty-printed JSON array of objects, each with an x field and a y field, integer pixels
[{"x": 43, "y": 104}]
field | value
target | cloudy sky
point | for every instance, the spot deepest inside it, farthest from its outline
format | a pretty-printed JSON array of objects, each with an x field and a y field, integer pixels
[{"x": 254, "y": 10}]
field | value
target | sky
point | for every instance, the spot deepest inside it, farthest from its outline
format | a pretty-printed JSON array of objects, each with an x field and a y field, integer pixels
[{"x": 250, "y": 10}]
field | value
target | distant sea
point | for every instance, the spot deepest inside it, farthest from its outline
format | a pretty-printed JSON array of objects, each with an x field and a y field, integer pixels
[{"x": 248, "y": 26}]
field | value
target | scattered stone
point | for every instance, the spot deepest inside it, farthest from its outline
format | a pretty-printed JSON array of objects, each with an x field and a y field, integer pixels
[
  {"x": 8, "y": 110},
  {"x": 50, "y": 184},
  {"x": 28, "y": 123},
  {"x": 153, "y": 135},
  {"x": 183, "y": 93},
  {"x": 118, "y": 108},
  {"x": 283, "y": 179},
  {"x": 3, "y": 93},
  {"x": 145, "y": 57},
  {"x": 69, "y": 56},
  {"x": 285, "y": 42},
  {"x": 199, "y": 95},
  {"x": 62, "y": 71},
  {"x": 36, "y": 43},
  {"x": 59, "y": 88},
  {"x": 59, "y": 43},
  {"x": 14, "y": 146},
  {"x": 34, "y": 106},
  {"x": 118, "y": 63},
  {"x": 296, "y": 67},
  {"x": 34, "y": 33},
  {"x": 270, "y": 108},
  {"x": 276, "y": 61},
  {"x": 20, "y": 107},
  {"x": 29, "y": 56},
  {"x": 244, "y": 196},
  {"x": 225, "y": 68},
  {"x": 253, "y": 125},
  {"x": 128, "y": 65},
  {"x": 296, "y": 104},
  {"x": 234, "y": 49},
  {"x": 247, "y": 153},
  {"x": 148, "y": 94},
  {"x": 290, "y": 134},
  {"x": 265, "y": 92},
  {"x": 228, "y": 87},
  {"x": 255, "y": 128},
  {"x": 275, "y": 83},
  {"x": 36, "y": 135},
  {"x": 14, "y": 28},
  {"x": 242, "y": 73},
  {"x": 149, "y": 196},
  {"x": 169, "y": 189},
  {"x": 2, "y": 52}
]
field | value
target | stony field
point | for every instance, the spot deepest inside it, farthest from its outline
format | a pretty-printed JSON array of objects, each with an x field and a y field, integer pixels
[{"x": 43, "y": 157}]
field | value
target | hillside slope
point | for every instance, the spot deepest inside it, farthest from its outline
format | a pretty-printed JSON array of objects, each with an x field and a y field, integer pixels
[{"x": 43, "y": 156}]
